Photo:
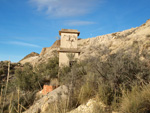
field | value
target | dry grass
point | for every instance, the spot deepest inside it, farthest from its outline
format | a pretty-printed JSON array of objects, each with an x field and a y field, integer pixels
[
  {"x": 5, "y": 91},
  {"x": 56, "y": 107},
  {"x": 136, "y": 101}
]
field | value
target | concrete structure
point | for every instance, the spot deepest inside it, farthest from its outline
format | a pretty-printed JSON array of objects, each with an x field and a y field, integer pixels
[{"x": 68, "y": 52}]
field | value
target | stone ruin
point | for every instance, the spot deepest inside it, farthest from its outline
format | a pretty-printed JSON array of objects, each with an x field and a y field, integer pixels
[{"x": 68, "y": 51}]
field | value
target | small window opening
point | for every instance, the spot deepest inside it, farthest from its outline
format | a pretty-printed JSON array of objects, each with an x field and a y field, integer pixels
[{"x": 71, "y": 63}]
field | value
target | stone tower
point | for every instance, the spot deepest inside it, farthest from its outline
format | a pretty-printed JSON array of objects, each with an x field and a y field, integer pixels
[{"x": 68, "y": 52}]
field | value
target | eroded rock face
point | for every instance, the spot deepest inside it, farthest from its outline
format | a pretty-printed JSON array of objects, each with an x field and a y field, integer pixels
[
  {"x": 30, "y": 55},
  {"x": 47, "y": 49},
  {"x": 43, "y": 105},
  {"x": 29, "y": 58}
]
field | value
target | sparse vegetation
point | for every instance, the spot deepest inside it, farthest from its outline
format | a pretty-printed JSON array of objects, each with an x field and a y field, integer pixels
[
  {"x": 114, "y": 34},
  {"x": 119, "y": 80},
  {"x": 27, "y": 80},
  {"x": 108, "y": 78},
  {"x": 137, "y": 100}
]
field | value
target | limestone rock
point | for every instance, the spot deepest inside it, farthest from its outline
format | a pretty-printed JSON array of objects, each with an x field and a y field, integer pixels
[
  {"x": 43, "y": 104},
  {"x": 29, "y": 58},
  {"x": 92, "y": 106},
  {"x": 30, "y": 55}
]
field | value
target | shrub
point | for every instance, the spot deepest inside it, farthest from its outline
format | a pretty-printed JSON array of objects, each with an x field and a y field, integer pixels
[
  {"x": 73, "y": 74},
  {"x": 26, "y": 78},
  {"x": 87, "y": 90},
  {"x": 106, "y": 77},
  {"x": 136, "y": 101},
  {"x": 63, "y": 74},
  {"x": 25, "y": 100},
  {"x": 112, "y": 73},
  {"x": 49, "y": 69},
  {"x": 105, "y": 94},
  {"x": 74, "y": 77},
  {"x": 1, "y": 71},
  {"x": 52, "y": 67},
  {"x": 29, "y": 78}
]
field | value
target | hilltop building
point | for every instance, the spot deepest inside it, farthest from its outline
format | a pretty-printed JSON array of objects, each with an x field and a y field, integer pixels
[{"x": 68, "y": 51}]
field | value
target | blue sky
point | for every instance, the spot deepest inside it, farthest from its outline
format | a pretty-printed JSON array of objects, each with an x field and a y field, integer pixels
[{"x": 29, "y": 25}]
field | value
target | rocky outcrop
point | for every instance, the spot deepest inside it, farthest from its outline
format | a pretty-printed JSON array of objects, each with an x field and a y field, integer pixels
[
  {"x": 89, "y": 107},
  {"x": 56, "y": 44},
  {"x": 30, "y": 55},
  {"x": 46, "y": 50},
  {"x": 92, "y": 106},
  {"x": 43, "y": 104},
  {"x": 34, "y": 60},
  {"x": 29, "y": 58}
]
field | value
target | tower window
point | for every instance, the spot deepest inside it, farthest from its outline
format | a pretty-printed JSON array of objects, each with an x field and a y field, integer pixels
[{"x": 71, "y": 63}]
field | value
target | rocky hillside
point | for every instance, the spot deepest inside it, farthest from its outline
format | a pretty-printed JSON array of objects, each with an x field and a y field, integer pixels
[
  {"x": 30, "y": 56},
  {"x": 133, "y": 39},
  {"x": 45, "y": 54},
  {"x": 118, "y": 41},
  {"x": 114, "y": 42}
]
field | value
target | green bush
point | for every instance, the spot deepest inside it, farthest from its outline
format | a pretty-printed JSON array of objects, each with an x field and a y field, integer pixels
[
  {"x": 74, "y": 77},
  {"x": 63, "y": 74},
  {"x": 29, "y": 78},
  {"x": 49, "y": 69},
  {"x": 1, "y": 71},
  {"x": 26, "y": 78}
]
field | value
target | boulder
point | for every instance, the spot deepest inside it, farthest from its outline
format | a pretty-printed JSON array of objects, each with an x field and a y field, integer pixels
[{"x": 46, "y": 102}]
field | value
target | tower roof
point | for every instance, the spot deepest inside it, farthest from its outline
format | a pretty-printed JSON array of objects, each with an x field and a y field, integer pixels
[{"x": 74, "y": 31}]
